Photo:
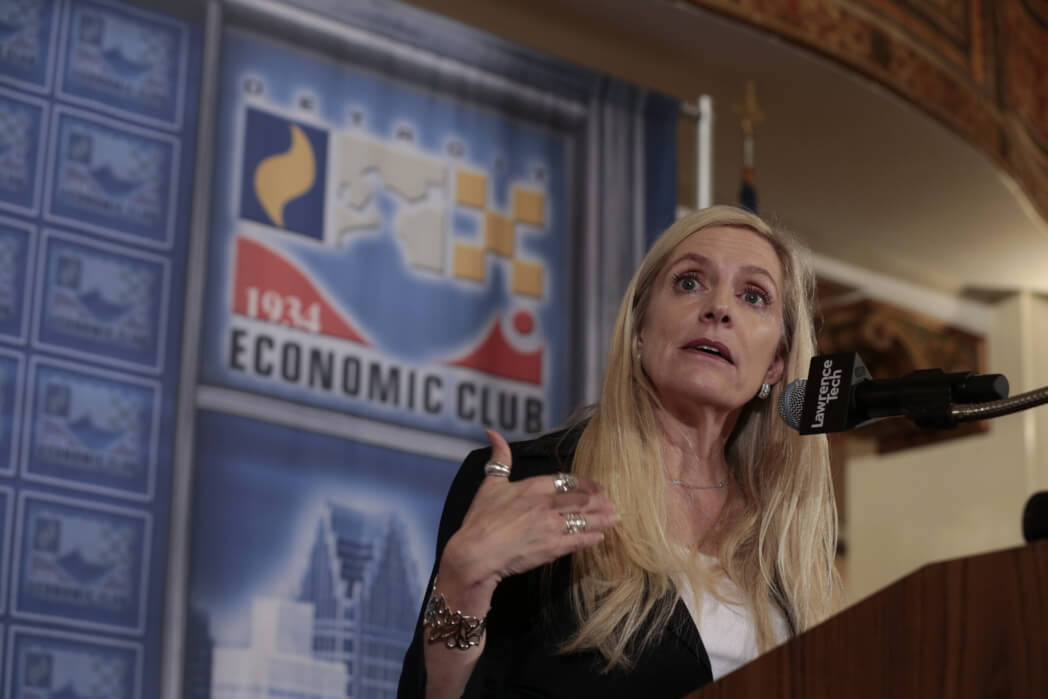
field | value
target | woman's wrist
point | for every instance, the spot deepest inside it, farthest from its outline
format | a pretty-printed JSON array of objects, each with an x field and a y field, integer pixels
[
  {"x": 457, "y": 609},
  {"x": 451, "y": 627},
  {"x": 466, "y": 586}
]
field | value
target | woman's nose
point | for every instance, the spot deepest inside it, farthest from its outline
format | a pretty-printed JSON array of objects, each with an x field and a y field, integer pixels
[
  {"x": 717, "y": 313},
  {"x": 716, "y": 309}
]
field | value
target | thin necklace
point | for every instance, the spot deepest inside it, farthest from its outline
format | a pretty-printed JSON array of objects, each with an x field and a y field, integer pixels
[{"x": 723, "y": 482}]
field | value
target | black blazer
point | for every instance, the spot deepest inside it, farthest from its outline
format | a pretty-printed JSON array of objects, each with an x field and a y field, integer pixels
[{"x": 531, "y": 614}]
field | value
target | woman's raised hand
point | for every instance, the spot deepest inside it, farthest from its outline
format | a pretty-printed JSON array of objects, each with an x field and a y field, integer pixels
[{"x": 512, "y": 527}]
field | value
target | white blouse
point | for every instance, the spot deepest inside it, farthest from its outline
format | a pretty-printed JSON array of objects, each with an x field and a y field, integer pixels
[{"x": 727, "y": 629}]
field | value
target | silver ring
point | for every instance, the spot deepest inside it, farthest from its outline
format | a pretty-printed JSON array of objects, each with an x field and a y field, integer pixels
[
  {"x": 574, "y": 523},
  {"x": 564, "y": 482},
  {"x": 496, "y": 468}
]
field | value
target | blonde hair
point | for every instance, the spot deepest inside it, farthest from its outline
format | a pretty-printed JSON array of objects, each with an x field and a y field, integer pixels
[{"x": 778, "y": 547}]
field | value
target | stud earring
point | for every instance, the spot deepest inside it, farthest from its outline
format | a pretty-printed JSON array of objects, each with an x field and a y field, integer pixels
[{"x": 764, "y": 392}]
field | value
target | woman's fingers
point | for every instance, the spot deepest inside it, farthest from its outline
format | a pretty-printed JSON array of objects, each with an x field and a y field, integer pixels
[
  {"x": 570, "y": 539},
  {"x": 582, "y": 502},
  {"x": 573, "y": 523},
  {"x": 501, "y": 462},
  {"x": 515, "y": 526},
  {"x": 566, "y": 483},
  {"x": 560, "y": 484}
]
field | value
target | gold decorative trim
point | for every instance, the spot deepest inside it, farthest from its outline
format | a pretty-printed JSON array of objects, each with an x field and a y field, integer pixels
[{"x": 978, "y": 66}]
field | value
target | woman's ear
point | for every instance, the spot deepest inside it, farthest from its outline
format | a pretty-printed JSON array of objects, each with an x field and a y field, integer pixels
[{"x": 776, "y": 370}]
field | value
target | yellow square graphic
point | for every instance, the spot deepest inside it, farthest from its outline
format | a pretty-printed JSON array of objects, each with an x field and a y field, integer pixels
[
  {"x": 527, "y": 278},
  {"x": 469, "y": 262},
  {"x": 498, "y": 234},
  {"x": 471, "y": 188},
  {"x": 528, "y": 205}
]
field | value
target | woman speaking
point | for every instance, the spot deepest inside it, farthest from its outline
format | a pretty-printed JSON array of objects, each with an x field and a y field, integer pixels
[{"x": 673, "y": 535}]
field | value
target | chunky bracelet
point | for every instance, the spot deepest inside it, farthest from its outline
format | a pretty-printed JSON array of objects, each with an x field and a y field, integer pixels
[{"x": 455, "y": 629}]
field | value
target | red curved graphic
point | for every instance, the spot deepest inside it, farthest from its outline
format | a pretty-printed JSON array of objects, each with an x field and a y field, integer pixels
[
  {"x": 496, "y": 356},
  {"x": 266, "y": 270}
]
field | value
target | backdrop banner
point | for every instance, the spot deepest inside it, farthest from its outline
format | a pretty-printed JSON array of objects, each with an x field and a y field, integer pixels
[
  {"x": 384, "y": 250},
  {"x": 97, "y": 137},
  {"x": 407, "y": 246}
]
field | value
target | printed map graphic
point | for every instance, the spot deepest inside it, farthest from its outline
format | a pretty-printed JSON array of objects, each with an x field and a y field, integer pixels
[{"x": 378, "y": 184}]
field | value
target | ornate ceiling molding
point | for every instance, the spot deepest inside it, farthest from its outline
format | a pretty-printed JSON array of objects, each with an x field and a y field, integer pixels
[{"x": 978, "y": 66}]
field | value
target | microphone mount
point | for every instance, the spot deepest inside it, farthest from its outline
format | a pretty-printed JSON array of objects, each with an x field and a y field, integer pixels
[{"x": 840, "y": 394}]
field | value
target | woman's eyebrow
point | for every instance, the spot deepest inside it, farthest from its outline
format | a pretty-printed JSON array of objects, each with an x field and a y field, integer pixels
[
  {"x": 757, "y": 269},
  {"x": 692, "y": 256},
  {"x": 746, "y": 269}
]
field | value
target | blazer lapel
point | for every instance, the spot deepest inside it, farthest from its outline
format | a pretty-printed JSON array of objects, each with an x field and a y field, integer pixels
[{"x": 682, "y": 627}]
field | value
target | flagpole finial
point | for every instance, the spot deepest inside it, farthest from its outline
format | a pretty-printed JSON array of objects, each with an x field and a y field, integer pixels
[{"x": 749, "y": 110}]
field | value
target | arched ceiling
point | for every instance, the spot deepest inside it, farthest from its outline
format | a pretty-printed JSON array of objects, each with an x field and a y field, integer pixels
[
  {"x": 862, "y": 175},
  {"x": 978, "y": 67}
]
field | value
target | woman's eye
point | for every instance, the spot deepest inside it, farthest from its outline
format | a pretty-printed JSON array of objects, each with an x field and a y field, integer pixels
[
  {"x": 688, "y": 282},
  {"x": 755, "y": 297}
]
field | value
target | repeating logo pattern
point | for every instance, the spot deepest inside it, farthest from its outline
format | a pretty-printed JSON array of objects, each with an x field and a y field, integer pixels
[
  {"x": 27, "y": 31},
  {"x": 97, "y": 120},
  {"x": 101, "y": 301},
  {"x": 82, "y": 563},
  {"x": 58, "y": 665},
  {"x": 93, "y": 430},
  {"x": 116, "y": 182},
  {"x": 16, "y": 251},
  {"x": 22, "y": 121},
  {"x": 123, "y": 61},
  {"x": 10, "y": 408}
]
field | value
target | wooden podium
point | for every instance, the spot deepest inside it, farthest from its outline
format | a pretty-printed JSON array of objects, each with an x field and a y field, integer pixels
[{"x": 972, "y": 627}]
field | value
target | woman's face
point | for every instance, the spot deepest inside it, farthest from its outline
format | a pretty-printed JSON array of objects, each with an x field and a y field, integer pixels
[{"x": 714, "y": 320}]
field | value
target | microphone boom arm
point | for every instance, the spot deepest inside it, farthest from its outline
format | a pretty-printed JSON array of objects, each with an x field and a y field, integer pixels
[{"x": 996, "y": 408}]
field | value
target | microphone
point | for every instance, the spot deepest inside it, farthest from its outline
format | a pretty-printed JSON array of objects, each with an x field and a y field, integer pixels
[{"x": 839, "y": 394}]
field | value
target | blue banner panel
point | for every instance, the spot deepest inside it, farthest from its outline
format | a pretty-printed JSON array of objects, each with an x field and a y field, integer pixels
[
  {"x": 98, "y": 117},
  {"x": 91, "y": 430},
  {"x": 28, "y": 30},
  {"x": 17, "y": 240},
  {"x": 23, "y": 121},
  {"x": 49, "y": 664},
  {"x": 112, "y": 179},
  {"x": 124, "y": 61},
  {"x": 320, "y": 559},
  {"x": 384, "y": 249},
  {"x": 101, "y": 302},
  {"x": 81, "y": 562}
]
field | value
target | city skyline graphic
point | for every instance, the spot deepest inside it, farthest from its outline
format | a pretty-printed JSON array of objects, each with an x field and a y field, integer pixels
[{"x": 343, "y": 635}]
